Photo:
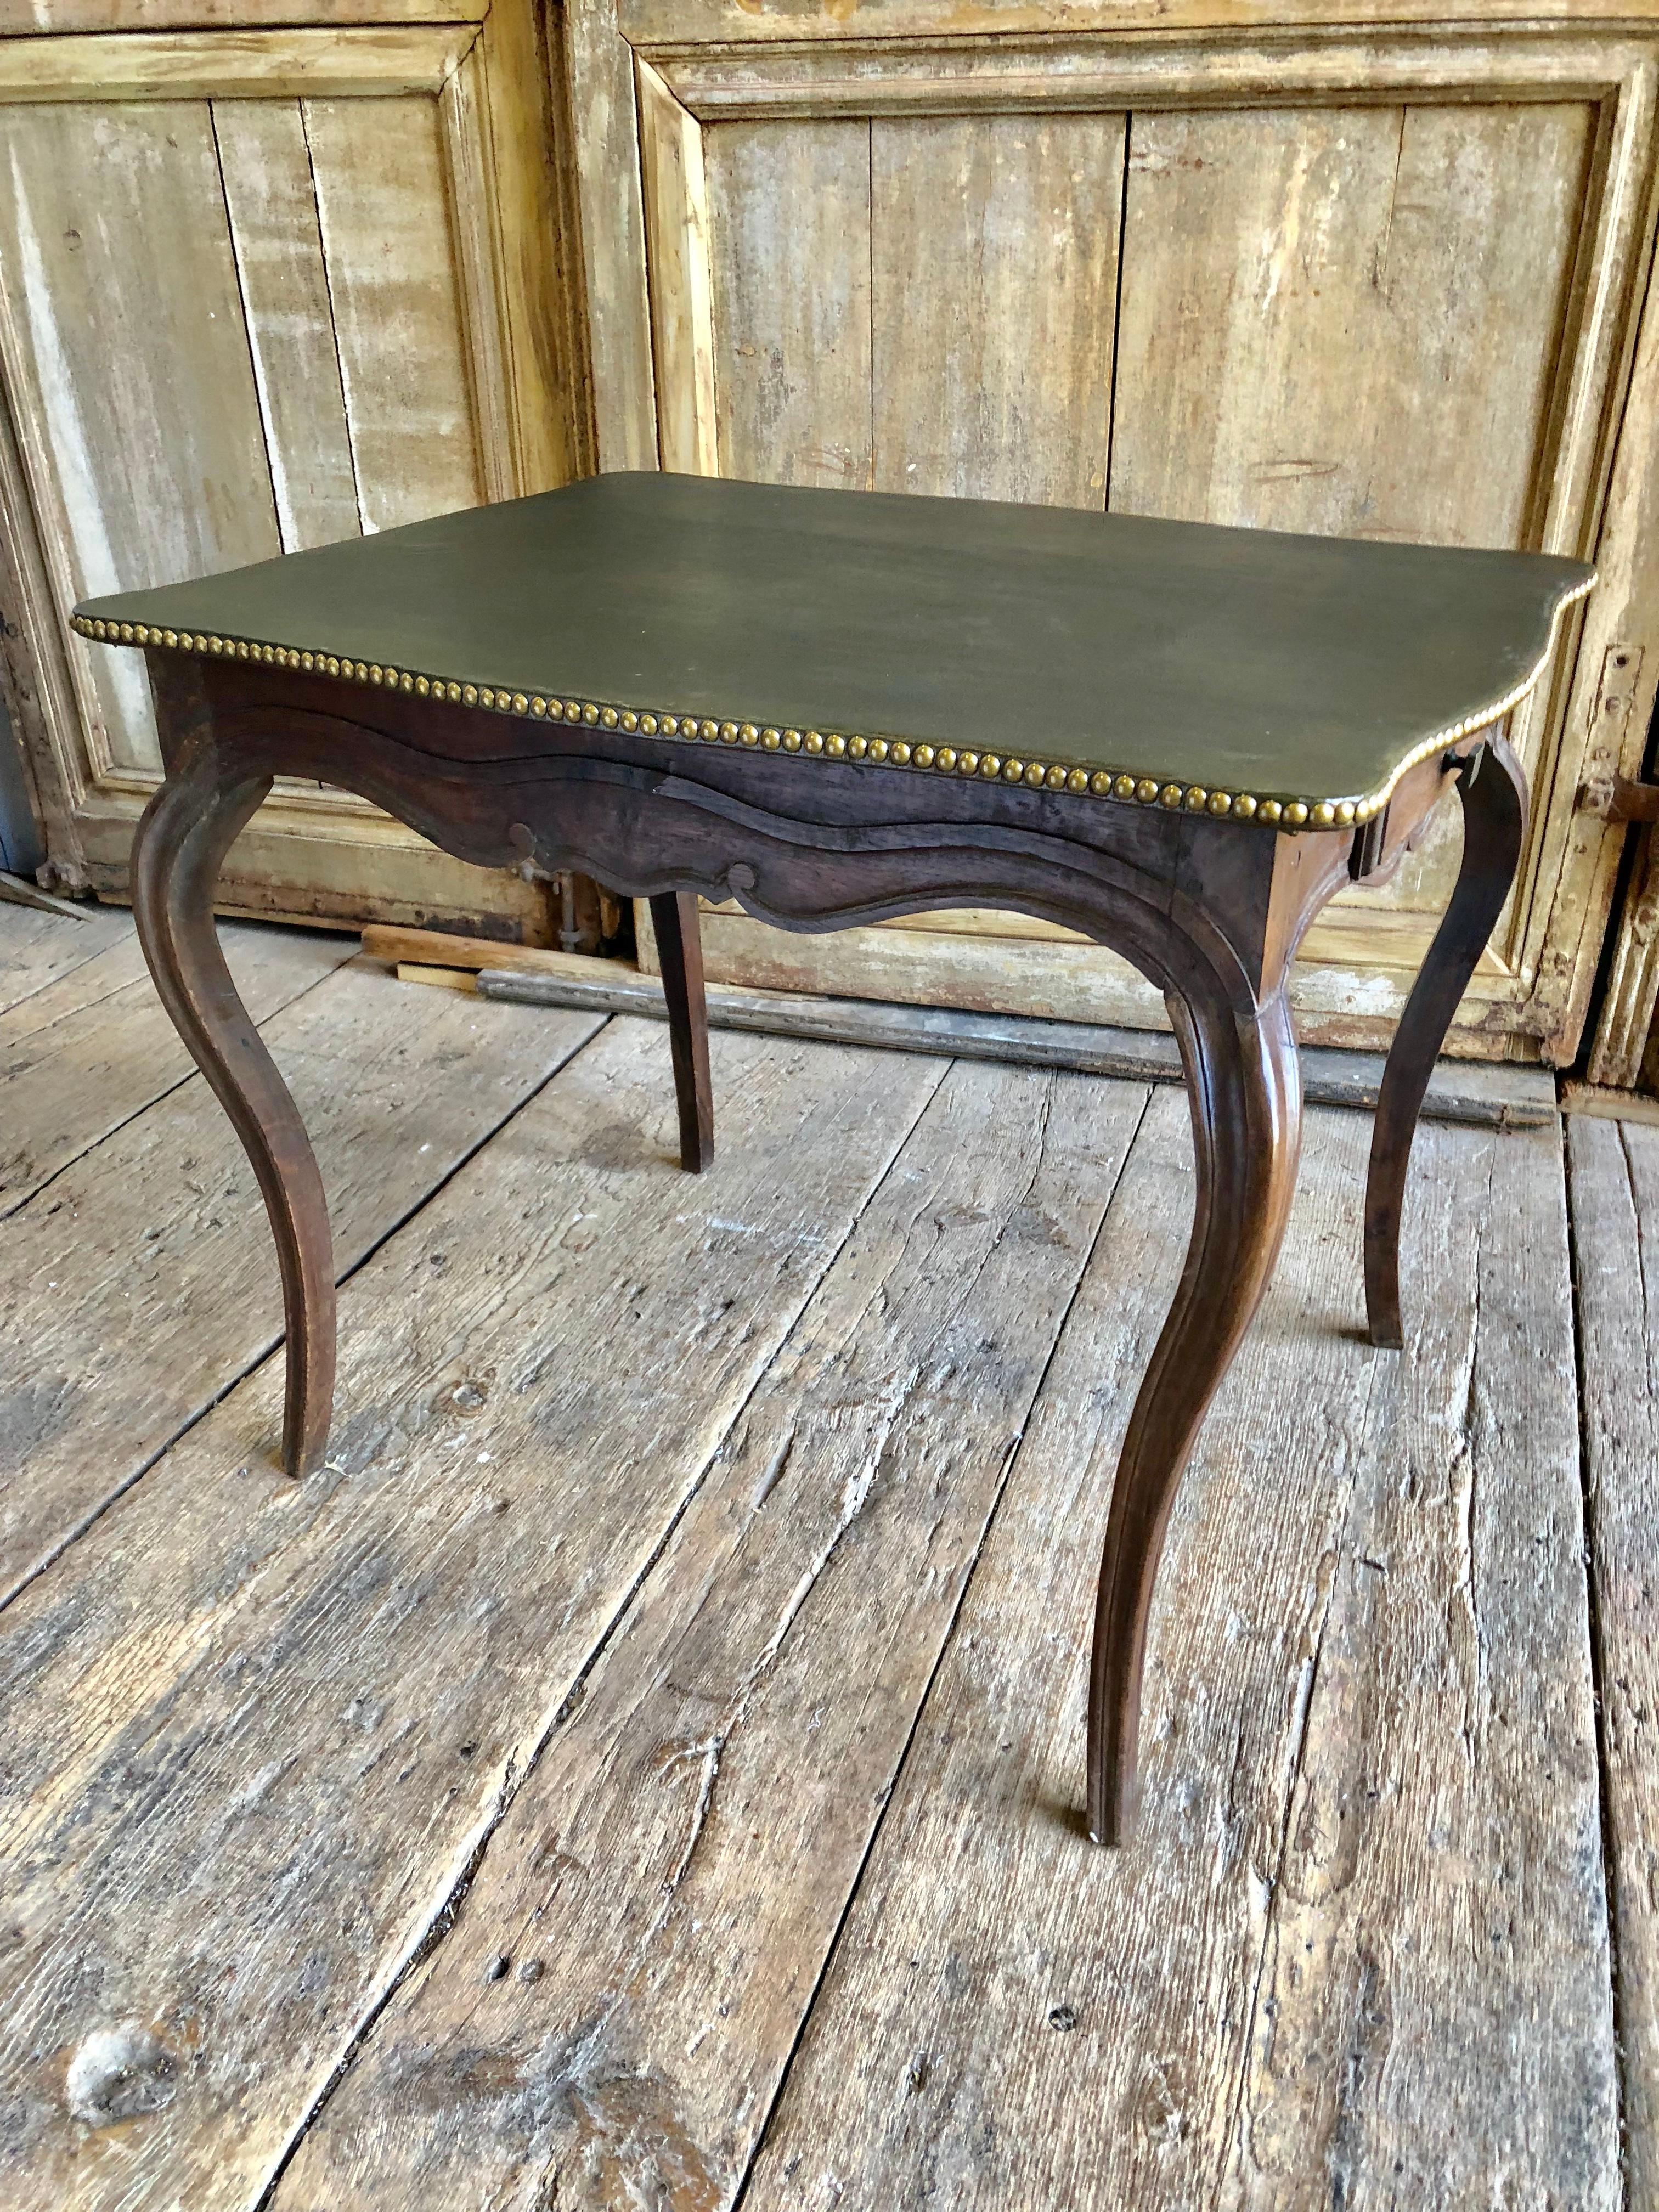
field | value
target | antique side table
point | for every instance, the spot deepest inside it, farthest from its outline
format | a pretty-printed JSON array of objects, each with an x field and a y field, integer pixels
[{"x": 834, "y": 707}]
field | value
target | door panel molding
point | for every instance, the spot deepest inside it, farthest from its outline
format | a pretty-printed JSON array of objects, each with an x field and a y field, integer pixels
[
  {"x": 1592, "y": 466},
  {"x": 1151, "y": 71},
  {"x": 498, "y": 408},
  {"x": 305, "y": 62},
  {"x": 673, "y": 24},
  {"x": 678, "y": 249}
]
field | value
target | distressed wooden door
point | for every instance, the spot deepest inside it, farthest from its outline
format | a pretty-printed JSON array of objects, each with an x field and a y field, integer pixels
[
  {"x": 1624, "y": 1049},
  {"x": 260, "y": 289},
  {"x": 1380, "y": 281}
]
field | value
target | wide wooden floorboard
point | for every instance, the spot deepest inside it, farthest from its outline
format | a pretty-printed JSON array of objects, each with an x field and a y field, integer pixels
[
  {"x": 1357, "y": 1952},
  {"x": 1614, "y": 1173},
  {"x": 1433, "y": 2022},
  {"x": 93, "y": 1048},
  {"x": 640, "y": 1771},
  {"x": 139, "y": 1286},
  {"x": 36, "y": 946},
  {"x": 668, "y": 1882},
  {"x": 260, "y": 1730},
  {"x": 107, "y": 961}
]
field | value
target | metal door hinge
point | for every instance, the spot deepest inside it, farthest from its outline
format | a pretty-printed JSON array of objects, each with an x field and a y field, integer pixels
[
  {"x": 1619, "y": 798},
  {"x": 1605, "y": 792}
]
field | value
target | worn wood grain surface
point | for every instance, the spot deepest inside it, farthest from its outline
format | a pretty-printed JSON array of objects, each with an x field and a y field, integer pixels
[
  {"x": 134, "y": 402},
  {"x": 526, "y": 216},
  {"x": 677, "y": 229},
  {"x": 605, "y": 122},
  {"x": 90, "y": 1050},
  {"x": 19, "y": 18},
  {"x": 1391, "y": 284},
  {"x": 159, "y": 1234},
  {"x": 1352, "y": 932},
  {"x": 263, "y": 1727},
  {"x": 789, "y": 206},
  {"x": 1498, "y": 1097},
  {"x": 36, "y": 948},
  {"x": 1378, "y": 2056},
  {"x": 279, "y": 62},
  {"x": 1625, "y": 1022},
  {"x": 924, "y": 22},
  {"x": 988, "y": 972},
  {"x": 1341, "y": 230},
  {"x": 670, "y": 1879},
  {"x": 604, "y": 1646},
  {"x": 1586, "y": 851},
  {"x": 376, "y": 166},
  {"x": 994, "y": 297},
  {"x": 1343, "y": 258},
  {"x": 1358, "y": 1952},
  {"x": 1614, "y": 1174},
  {"x": 265, "y": 283},
  {"x": 266, "y": 161}
]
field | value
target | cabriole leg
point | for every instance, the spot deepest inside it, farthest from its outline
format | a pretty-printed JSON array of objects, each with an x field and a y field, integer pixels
[
  {"x": 679, "y": 952},
  {"x": 186, "y": 830},
  {"x": 1243, "y": 1086},
  {"x": 1493, "y": 790}
]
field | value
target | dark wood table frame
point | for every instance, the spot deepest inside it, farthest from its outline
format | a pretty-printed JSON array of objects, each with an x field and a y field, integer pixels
[{"x": 1209, "y": 909}]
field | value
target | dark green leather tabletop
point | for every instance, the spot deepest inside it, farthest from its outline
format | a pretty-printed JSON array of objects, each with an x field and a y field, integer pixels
[{"x": 1243, "y": 671}]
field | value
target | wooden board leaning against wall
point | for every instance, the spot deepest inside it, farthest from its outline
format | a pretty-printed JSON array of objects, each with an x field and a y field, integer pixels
[
  {"x": 1386, "y": 278},
  {"x": 267, "y": 281}
]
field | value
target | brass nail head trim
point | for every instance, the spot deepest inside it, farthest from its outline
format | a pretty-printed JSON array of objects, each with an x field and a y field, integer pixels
[{"x": 1122, "y": 788}]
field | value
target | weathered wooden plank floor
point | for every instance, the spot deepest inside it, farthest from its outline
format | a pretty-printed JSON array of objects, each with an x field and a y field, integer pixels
[{"x": 641, "y": 1769}]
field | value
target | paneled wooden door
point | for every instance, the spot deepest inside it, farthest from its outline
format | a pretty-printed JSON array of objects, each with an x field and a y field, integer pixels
[
  {"x": 261, "y": 290},
  {"x": 1374, "y": 282}
]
